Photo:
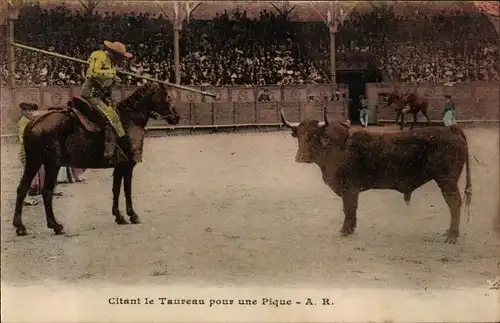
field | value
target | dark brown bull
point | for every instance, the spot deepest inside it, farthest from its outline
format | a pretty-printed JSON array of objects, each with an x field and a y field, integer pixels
[
  {"x": 401, "y": 161},
  {"x": 67, "y": 137},
  {"x": 408, "y": 103}
]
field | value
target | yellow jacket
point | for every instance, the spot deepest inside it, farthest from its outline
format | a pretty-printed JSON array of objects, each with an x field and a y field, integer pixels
[
  {"x": 100, "y": 75},
  {"x": 100, "y": 66},
  {"x": 22, "y": 123}
]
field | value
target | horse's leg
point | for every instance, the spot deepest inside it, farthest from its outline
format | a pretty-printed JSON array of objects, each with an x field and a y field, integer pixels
[
  {"x": 402, "y": 120},
  {"x": 51, "y": 170},
  {"x": 424, "y": 112},
  {"x": 397, "y": 116},
  {"x": 415, "y": 117},
  {"x": 117, "y": 183},
  {"x": 31, "y": 168},
  {"x": 127, "y": 185}
]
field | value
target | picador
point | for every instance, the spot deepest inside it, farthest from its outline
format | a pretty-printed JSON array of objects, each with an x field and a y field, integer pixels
[{"x": 97, "y": 89}]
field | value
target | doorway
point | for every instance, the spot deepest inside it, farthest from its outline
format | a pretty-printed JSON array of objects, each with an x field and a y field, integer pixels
[{"x": 356, "y": 81}]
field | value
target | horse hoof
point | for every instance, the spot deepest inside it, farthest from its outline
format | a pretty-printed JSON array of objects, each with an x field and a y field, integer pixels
[
  {"x": 135, "y": 220},
  {"x": 347, "y": 231},
  {"x": 451, "y": 240},
  {"x": 21, "y": 232},
  {"x": 121, "y": 220},
  {"x": 58, "y": 229}
]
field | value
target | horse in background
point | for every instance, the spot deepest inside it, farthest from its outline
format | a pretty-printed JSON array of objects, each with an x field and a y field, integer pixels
[{"x": 408, "y": 103}]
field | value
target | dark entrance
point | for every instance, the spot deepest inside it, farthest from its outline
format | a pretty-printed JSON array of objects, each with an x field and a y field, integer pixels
[{"x": 356, "y": 80}]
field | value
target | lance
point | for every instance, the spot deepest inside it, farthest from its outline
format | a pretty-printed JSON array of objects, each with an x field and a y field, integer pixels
[{"x": 49, "y": 53}]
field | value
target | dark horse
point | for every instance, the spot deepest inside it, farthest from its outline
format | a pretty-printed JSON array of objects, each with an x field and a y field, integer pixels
[
  {"x": 409, "y": 103},
  {"x": 73, "y": 136}
]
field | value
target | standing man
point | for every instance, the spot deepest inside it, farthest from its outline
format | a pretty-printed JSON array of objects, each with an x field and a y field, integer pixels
[
  {"x": 97, "y": 89},
  {"x": 363, "y": 111},
  {"x": 449, "y": 112}
]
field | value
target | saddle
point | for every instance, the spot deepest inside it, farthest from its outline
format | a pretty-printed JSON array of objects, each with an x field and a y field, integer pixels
[{"x": 77, "y": 106}]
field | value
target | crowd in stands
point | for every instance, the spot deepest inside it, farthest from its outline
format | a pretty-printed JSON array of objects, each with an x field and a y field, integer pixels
[{"x": 233, "y": 49}]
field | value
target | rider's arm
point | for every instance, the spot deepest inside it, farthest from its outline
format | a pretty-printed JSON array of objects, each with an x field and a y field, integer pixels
[{"x": 96, "y": 62}]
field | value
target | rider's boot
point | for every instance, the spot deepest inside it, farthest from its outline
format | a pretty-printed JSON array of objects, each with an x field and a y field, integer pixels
[{"x": 109, "y": 142}]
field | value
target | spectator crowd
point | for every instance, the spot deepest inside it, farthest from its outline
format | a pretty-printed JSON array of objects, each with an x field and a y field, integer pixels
[{"x": 233, "y": 49}]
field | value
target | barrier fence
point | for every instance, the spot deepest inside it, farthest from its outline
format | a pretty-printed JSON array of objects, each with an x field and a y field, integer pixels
[
  {"x": 241, "y": 105},
  {"x": 474, "y": 101}
]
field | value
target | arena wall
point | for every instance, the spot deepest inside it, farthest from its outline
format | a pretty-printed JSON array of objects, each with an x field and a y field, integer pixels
[
  {"x": 239, "y": 104},
  {"x": 475, "y": 101}
]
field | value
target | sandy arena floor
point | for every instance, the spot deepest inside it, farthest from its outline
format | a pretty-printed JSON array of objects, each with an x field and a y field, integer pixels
[{"x": 236, "y": 208}]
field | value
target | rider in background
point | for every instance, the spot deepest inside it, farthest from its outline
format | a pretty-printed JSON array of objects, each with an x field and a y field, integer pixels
[{"x": 97, "y": 89}]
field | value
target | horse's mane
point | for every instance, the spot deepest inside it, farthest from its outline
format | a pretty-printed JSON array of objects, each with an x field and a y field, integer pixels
[
  {"x": 129, "y": 102},
  {"x": 134, "y": 112}
]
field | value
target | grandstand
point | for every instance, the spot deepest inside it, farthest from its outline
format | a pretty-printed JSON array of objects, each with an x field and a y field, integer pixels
[
  {"x": 235, "y": 48},
  {"x": 255, "y": 43}
]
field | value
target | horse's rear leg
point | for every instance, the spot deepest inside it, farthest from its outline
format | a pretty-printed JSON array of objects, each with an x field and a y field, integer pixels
[
  {"x": 51, "y": 170},
  {"x": 424, "y": 112},
  {"x": 117, "y": 183},
  {"x": 31, "y": 168},
  {"x": 415, "y": 118}
]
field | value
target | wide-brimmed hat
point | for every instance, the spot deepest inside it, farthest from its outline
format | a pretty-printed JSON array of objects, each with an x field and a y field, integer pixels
[{"x": 118, "y": 48}]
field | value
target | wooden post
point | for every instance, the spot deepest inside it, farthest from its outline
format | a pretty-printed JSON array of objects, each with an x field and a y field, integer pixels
[
  {"x": 11, "y": 55},
  {"x": 177, "y": 30},
  {"x": 11, "y": 114},
  {"x": 333, "y": 30}
]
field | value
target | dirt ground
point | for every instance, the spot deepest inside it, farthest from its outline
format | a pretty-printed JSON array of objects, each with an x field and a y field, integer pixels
[{"x": 236, "y": 208}]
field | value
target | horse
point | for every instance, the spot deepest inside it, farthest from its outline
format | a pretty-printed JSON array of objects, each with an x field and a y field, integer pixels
[
  {"x": 72, "y": 135},
  {"x": 409, "y": 103}
]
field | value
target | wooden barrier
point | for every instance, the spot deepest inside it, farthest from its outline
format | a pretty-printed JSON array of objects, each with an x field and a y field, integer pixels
[
  {"x": 240, "y": 105},
  {"x": 474, "y": 101}
]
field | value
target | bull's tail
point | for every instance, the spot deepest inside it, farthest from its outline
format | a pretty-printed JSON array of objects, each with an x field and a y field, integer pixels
[{"x": 468, "y": 182}]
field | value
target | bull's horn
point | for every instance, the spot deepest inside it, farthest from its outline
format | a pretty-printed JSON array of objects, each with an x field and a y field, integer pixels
[{"x": 286, "y": 122}]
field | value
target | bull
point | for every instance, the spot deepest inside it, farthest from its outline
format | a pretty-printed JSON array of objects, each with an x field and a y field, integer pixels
[{"x": 401, "y": 161}]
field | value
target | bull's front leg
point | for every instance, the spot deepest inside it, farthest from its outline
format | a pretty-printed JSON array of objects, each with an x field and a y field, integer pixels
[{"x": 350, "y": 204}]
